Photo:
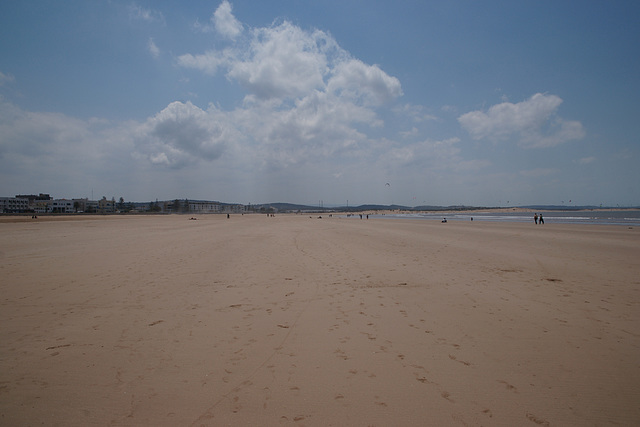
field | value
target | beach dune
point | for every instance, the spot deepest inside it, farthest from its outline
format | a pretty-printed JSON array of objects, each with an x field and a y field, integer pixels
[{"x": 295, "y": 320}]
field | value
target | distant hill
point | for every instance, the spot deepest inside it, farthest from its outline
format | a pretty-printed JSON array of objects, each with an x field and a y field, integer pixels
[{"x": 293, "y": 207}]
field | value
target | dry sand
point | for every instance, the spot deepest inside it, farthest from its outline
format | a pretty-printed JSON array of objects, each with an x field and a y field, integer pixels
[{"x": 295, "y": 320}]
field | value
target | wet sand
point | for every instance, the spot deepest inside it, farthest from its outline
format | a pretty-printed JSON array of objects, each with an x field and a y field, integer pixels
[{"x": 292, "y": 320}]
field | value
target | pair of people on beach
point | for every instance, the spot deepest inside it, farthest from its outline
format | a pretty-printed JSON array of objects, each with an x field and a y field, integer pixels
[{"x": 538, "y": 219}]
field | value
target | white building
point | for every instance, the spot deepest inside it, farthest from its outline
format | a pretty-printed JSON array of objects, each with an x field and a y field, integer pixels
[
  {"x": 235, "y": 208},
  {"x": 204, "y": 207},
  {"x": 13, "y": 205},
  {"x": 61, "y": 206}
]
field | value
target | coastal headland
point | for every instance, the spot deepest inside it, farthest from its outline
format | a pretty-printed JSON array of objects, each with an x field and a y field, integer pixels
[{"x": 296, "y": 320}]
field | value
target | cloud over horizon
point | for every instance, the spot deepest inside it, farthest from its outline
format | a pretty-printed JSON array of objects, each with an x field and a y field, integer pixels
[
  {"x": 532, "y": 123},
  {"x": 282, "y": 110}
]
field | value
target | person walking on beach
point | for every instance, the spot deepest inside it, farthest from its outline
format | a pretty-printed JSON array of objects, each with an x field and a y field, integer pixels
[
  {"x": 535, "y": 218},
  {"x": 540, "y": 220}
]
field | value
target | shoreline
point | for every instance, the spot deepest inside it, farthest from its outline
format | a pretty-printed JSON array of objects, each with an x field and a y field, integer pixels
[{"x": 9, "y": 217}]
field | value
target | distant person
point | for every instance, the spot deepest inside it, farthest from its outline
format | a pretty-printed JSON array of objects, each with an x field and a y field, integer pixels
[
  {"x": 444, "y": 219},
  {"x": 540, "y": 220},
  {"x": 535, "y": 218}
]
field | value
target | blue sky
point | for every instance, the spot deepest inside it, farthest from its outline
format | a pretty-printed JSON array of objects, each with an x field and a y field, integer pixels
[{"x": 449, "y": 102}]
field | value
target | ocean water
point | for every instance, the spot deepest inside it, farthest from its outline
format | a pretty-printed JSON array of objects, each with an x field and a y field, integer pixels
[{"x": 624, "y": 217}]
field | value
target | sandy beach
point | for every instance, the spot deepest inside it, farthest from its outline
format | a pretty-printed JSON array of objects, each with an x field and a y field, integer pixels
[{"x": 295, "y": 320}]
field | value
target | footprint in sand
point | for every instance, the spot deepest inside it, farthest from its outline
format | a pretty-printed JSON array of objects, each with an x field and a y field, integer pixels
[
  {"x": 509, "y": 386},
  {"x": 537, "y": 420},
  {"x": 452, "y": 357},
  {"x": 447, "y": 395}
]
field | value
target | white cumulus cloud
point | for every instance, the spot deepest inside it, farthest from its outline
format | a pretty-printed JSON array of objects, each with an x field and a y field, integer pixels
[
  {"x": 532, "y": 123},
  {"x": 364, "y": 83},
  {"x": 281, "y": 62},
  {"x": 225, "y": 23},
  {"x": 308, "y": 105},
  {"x": 182, "y": 134},
  {"x": 306, "y": 98},
  {"x": 284, "y": 61},
  {"x": 222, "y": 21}
]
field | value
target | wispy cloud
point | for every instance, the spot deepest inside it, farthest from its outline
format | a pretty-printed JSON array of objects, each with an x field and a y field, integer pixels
[
  {"x": 415, "y": 112},
  {"x": 432, "y": 154},
  {"x": 409, "y": 133},
  {"x": 538, "y": 172},
  {"x": 6, "y": 78},
  {"x": 137, "y": 12},
  {"x": 208, "y": 62},
  {"x": 153, "y": 49},
  {"x": 586, "y": 160}
]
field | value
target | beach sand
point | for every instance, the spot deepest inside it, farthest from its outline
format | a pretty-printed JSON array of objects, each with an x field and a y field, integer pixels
[{"x": 295, "y": 320}]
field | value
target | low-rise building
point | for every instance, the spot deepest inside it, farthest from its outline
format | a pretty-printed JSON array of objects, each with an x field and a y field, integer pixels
[
  {"x": 61, "y": 206},
  {"x": 204, "y": 207},
  {"x": 106, "y": 206},
  {"x": 14, "y": 204},
  {"x": 235, "y": 209},
  {"x": 41, "y": 206},
  {"x": 38, "y": 203}
]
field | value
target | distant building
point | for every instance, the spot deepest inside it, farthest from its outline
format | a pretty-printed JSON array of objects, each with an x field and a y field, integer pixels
[
  {"x": 44, "y": 203},
  {"x": 33, "y": 197},
  {"x": 82, "y": 205},
  {"x": 14, "y": 204},
  {"x": 61, "y": 206},
  {"x": 41, "y": 206},
  {"x": 235, "y": 208},
  {"x": 106, "y": 206},
  {"x": 204, "y": 207},
  {"x": 37, "y": 203}
]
